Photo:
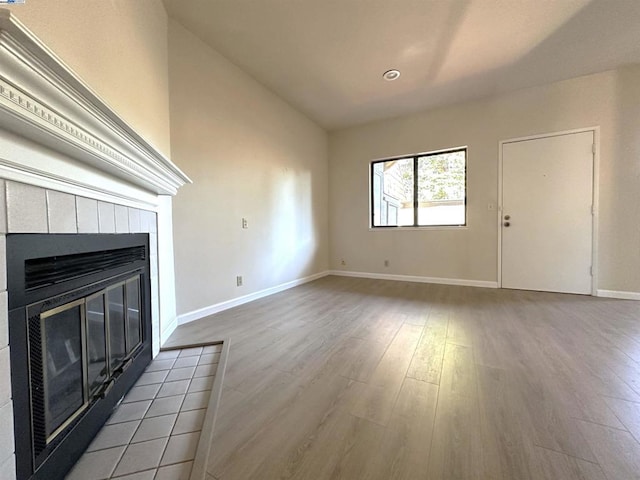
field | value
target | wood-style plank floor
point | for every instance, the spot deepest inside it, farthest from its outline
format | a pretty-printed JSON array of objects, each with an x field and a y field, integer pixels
[{"x": 347, "y": 378}]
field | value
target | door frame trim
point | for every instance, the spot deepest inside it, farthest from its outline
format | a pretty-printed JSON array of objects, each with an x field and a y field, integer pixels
[{"x": 595, "y": 200}]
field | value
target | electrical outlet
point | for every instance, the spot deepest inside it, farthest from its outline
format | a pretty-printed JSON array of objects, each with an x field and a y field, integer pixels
[
  {"x": 245, "y": 223},
  {"x": 386, "y": 263},
  {"x": 239, "y": 280},
  {"x": 342, "y": 262}
]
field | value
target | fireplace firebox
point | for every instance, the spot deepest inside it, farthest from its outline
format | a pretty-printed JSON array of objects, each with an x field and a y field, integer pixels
[{"x": 80, "y": 336}]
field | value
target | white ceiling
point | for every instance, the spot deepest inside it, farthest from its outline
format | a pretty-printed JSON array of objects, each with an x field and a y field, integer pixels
[{"x": 327, "y": 57}]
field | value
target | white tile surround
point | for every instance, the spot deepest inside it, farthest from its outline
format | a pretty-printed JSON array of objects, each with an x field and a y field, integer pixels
[{"x": 70, "y": 164}]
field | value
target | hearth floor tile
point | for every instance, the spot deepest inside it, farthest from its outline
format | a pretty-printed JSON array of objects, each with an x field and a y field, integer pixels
[
  {"x": 180, "y": 373},
  {"x": 153, "y": 377},
  {"x": 181, "y": 448},
  {"x": 114, "y": 435},
  {"x": 164, "y": 406},
  {"x": 200, "y": 384},
  {"x": 142, "y": 392},
  {"x": 190, "y": 421},
  {"x": 146, "y": 475},
  {"x": 141, "y": 456},
  {"x": 129, "y": 411},
  {"x": 195, "y": 401},
  {"x": 179, "y": 471},
  {"x": 203, "y": 370},
  {"x": 156, "y": 427},
  {"x": 209, "y": 358},
  {"x": 97, "y": 465},
  {"x": 157, "y": 365},
  {"x": 186, "y": 362},
  {"x": 167, "y": 354},
  {"x": 169, "y": 389},
  {"x": 190, "y": 352},
  {"x": 212, "y": 349},
  {"x": 155, "y": 433}
]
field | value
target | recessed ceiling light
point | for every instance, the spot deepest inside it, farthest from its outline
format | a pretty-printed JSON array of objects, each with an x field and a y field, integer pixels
[{"x": 391, "y": 75}]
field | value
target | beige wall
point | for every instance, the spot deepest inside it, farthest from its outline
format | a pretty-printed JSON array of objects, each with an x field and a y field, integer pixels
[
  {"x": 119, "y": 48},
  {"x": 610, "y": 100},
  {"x": 251, "y": 155}
]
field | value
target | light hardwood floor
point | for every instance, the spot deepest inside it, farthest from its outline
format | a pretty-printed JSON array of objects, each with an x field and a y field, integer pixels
[{"x": 369, "y": 379}]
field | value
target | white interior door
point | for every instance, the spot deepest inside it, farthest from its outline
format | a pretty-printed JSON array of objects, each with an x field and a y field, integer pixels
[{"x": 547, "y": 223}]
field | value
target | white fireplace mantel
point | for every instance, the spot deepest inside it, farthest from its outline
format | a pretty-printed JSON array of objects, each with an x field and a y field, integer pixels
[
  {"x": 44, "y": 101},
  {"x": 58, "y": 135}
]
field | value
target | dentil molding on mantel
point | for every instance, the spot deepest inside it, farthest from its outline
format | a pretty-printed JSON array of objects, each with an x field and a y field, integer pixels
[{"x": 43, "y": 100}]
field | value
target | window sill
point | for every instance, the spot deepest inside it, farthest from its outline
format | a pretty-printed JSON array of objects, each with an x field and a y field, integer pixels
[{"x": 419, "y": 229}]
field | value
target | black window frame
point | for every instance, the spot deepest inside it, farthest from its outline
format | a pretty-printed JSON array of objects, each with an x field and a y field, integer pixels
[{"x": 415, "y": 158}]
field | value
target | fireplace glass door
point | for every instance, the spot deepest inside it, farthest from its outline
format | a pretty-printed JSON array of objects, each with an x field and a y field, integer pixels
[
  {"x": 96, "y": 343},
  {"x": 64, "y": 390},
  {"x": 117, "y": 330},
  {"x": 134, "y": 325},
  {"x": 80, "y": 347},
  {"x": 124, "y": 321}
]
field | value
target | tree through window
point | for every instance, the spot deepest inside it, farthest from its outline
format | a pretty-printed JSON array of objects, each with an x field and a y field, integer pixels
[{"x": 420, "y": 191}]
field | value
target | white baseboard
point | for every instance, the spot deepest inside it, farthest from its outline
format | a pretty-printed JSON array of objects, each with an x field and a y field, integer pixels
[
  {"x": 413, "y": 278},
  {"x": 166, "y": 333},
  {"x": 620, "y": 295},
  {"x": 234, "y": 302}
]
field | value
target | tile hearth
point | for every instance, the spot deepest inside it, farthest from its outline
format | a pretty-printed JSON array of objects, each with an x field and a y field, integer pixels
[{"x": 155, "y": 432}]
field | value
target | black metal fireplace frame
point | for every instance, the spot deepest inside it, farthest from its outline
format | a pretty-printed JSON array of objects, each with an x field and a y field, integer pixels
[{"x": 23, "y": 250}]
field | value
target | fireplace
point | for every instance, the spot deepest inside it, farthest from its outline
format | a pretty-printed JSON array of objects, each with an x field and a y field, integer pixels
[
  {"x": 80, "y": 335},
  {"x": 69, "y": 164}
]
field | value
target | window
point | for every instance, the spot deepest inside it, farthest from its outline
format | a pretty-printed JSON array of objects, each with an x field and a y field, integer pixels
[{"x": 423, "y": 190}]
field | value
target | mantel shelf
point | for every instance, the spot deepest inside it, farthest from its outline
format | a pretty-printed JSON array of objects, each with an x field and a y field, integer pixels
[{"x": 43, "y": 100}]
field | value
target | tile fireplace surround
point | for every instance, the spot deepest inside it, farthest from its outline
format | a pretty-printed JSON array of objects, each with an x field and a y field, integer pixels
[{"x": 70, "y": 164}]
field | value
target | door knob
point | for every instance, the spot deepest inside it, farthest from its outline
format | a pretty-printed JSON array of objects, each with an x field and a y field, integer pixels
[
  {"x": 506, "y": 224},
  {"x": 507, "y": 217}
]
